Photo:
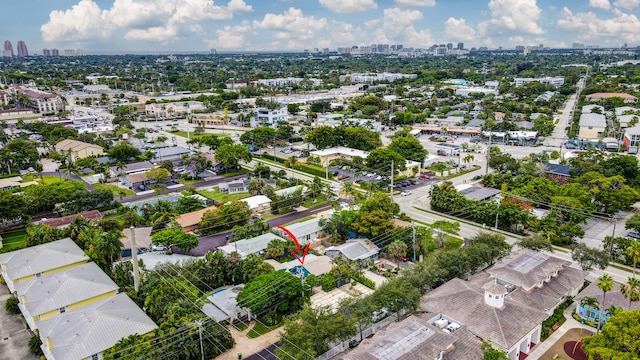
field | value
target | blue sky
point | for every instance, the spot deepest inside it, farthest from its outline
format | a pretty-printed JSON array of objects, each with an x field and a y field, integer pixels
[{"x": 275, "y": 25}]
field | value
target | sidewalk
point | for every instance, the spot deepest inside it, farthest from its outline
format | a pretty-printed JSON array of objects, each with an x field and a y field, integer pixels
[{"x": 571, "y": 323}]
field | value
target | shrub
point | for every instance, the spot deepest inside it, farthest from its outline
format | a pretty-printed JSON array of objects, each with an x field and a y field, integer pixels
[
  {"x": 12, "y": 305},
  {"x": 328, "y": 282},
  {"x": 34, "y": 345}
]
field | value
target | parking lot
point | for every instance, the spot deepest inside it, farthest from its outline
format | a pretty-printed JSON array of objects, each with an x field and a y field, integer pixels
[{"x": 14, "y": 335}]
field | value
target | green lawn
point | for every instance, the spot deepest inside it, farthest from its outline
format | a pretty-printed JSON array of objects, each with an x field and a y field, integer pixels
[
  {"x": 315, "y": 202},
  {"x": 14, "y": 240},
  {"x": 183, "y": 134},
  {"x": 114, "y": 189},
  {"x": 261, "y": 329},
  {"x": 222, "y": 197},
  {"x": 188, "y": 182},
  {"x": 52, "y": 179}
]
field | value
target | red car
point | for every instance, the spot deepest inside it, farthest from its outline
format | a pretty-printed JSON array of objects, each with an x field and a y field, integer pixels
[{"x": 425, "y": 177}]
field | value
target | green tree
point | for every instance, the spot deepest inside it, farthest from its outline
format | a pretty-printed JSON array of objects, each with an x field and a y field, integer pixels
[
  {"x": 633, "y": 223},
  {"x": 12, "y": 207},
  {"x": 231, "y": 155},
  {"x": 123, "y": 152},
  {"x": 276, "y": 248},
  {"x": 293, "y": 108},
  {"x": 605, "y": 283},
  {"x": 280, "y": 291},
  {"x": 631, "y": 290},
  {"x": 491, "y": 353},
  {"x": 259, "y": 136},
  {"x": 589, "y": 257},
  {"x": 175, "y": 237},
  {"x": 41, "y": 234},
  {"x": 358, "y": 310},
  {"x": 619, "y": 338},
  {"x": 188, "y": 204},
  {"x": 397, "y": 250},
  {"x": 409, "y": 148},
  {"x": 381, "y": 159},
  {"x": 158, "y": 175},
  {"x": 536, "y": 242},
  {"x": 444, "y": 227},
  {"x": 634, "y": 253}
]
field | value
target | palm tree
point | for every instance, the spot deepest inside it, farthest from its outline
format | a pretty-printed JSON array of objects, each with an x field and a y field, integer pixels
[
  {"x": 110, "y": 246},
  {"x": 397, "y": 250},
  {"x": 315, "y": 187},
  {"x": 590, "y": 303},
  {"x": 120, "y": 165},
  {"x": 634, "y": 252},
  {"x": 276, "y": 248},
  {"x": 631, "y": 290},
  {"x": 605, "y": 283},
  {"x": 348, "y": 190},
  {"x": 78, "y": 226},
  {"x": 468, "y": 158}
]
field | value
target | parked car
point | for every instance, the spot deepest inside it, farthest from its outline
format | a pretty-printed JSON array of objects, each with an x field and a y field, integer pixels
[
  {"x": 633, "y": 235},
  {"x": 379, "y": 315},
  {"x": 405, "y": 193},
  {"x": 425, "y": 177},
  {"x": 158, "y": 247}
]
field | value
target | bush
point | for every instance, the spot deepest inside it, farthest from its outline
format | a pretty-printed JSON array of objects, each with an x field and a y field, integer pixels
[
  {"x": 12, "y": 305},
  {"x": 328, "y": 282},
  {"x": 34, "y": 345},
  {"x": 313, "y": 170}
]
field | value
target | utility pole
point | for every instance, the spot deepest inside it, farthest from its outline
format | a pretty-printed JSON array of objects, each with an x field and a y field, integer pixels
[
  {"x": 498, "y": 212},
  {"x": 413, "y": 230},
  {"x": 199, "y": 324},
  {"x": 488, "y": 155},
  {"x": 613, "y": 234},
  {"x": 134, "y": 259},
  {"x": 391, "y": 187}
]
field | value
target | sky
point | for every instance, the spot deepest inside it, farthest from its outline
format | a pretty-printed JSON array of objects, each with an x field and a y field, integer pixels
[{"x": 295, "y": 25}]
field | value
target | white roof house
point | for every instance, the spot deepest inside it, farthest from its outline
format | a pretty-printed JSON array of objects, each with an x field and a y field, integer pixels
[
  {"x": 304, "y": 231},
  {"x": 253, "y": 245},
  {"x": 47, "y": 296},
  {"x": 223, "y": 305},
  {"x": 92, "y": 329},
  {"x": 593, "y": 119},
  {"x": 292, "y": 189},
  {"x": 25, "y": 264},
  {"x": 258, "y": 203},
  {"x": 354, "y": 250}
]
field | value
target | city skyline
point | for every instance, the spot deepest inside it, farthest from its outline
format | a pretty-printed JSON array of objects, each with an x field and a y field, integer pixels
[{"x": 294, "y": 25}]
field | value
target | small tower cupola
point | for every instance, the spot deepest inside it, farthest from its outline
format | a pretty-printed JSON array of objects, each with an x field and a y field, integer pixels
[{"x": 494, "y": 294}]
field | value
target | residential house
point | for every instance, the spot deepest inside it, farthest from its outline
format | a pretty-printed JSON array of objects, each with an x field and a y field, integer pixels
[
  {"x": 33, "y": 262},
  {"x": 600, "y": 312},
  {"x": 557, "y": 172},
  {"x": 628, "y": 120},
  {"x": 305, "y": 231},
  {"x": 313, "y": 265},
  {"x": 628, "y": 99},
  {"x": 14, "y": 182},
  {"x": 631, "y": 139},
  {"x": 173, "y": 153},
  {"x": 137, "y": 181},
  {"x": 190, "y": 220},
  {"x": 254, "y": 245},
  {"x": 477, "y": 193},
  {"x": 142, "y": 237},
  {"x": 49, "y": 295},
  {"x": 132, "y": 168},
  {"x": 64, "y": 221},
  {"x": 508, "y": 302},
  {"x": 291, "y": 190},
  {"x": 590, "y": 109},
  {"x": 340, "y": 152},
  {"x": 592, "y": 126},
  {"x": 258, "y": 203},
  {"x": 355, "y": 250},
  {"x": 78, "y": 149},
  {"x": 626, "y": 110},
  {"x": 241, "y": 185},
  {"x": 419, "y": 337},
  {"x": 222, "y": 305},
  {"x": 86, "y": 332}
]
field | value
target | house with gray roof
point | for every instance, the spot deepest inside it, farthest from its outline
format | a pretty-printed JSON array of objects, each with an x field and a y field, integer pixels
[
  {"x": 172, "y": 153},
  {"x": 592, "y": 126},
  {"x": 35, "y": 261},
  {"x": 86, "y": 332},
  {"x": 355, "y": 250},
  {"x": 49, "y": 295},
  {"x": 304, "y": 231},
  {"x": 254, "y": 245},
  {"x": 131, "y": 168},
  {"x": 508, "y": 302},
  {"x": 419, "y": 337},
  {"x": 222, "y": 305}
]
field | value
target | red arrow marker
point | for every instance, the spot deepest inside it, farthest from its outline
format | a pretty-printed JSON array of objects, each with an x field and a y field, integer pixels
[{"x": 300, "y": 255}]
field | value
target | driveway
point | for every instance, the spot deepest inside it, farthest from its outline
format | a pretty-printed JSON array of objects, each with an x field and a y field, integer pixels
[{"x": 14, "y": 335}]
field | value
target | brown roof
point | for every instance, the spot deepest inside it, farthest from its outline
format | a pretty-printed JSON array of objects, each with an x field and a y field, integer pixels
[
  {"x": 414, "y": 338},
  {"x": 192, "y": 218},
  {"x": 602, "y": 95},
  {"x": 66, "y": 220},
  {"x": 74, "y": 145},
  {"x": 614, "y": 297},
  {"x": 137, "y": 177}
]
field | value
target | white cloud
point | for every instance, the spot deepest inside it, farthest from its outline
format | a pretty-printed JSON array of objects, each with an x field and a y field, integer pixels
[
  {"x": 600, "y": 4},
  {"x": 622, "y": 27},
  {"x": 292, "y": 24},
  {"x": 231, "y": 37},
  {"x": 627, "y": 4},
  {"x": 397, "y": 27},
  {"x": 509, "y": 16},
  {"x": 459, "y": 30},
  {"x": 349, "y": 6},
  {"x": 417, "y": 3},
  {"x": 155, "y": 20}
]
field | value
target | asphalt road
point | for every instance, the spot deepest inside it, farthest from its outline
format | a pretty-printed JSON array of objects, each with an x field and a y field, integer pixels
[
  {"x": 268, "y": 353},
  {"x": 199, "y": 185},
  {"x": 212, "y": 242}
]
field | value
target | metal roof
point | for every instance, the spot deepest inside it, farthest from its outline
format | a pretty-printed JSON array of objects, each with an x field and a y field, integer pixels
[
  {"x": 304, "y": 228},
  {"x": 63, "y": 288},
  {"x": 250, "y": 246},
  {"x": 355, "y": 249},
  {"x": 40, "y": 258},
  {"x": 94, "y": 328}
]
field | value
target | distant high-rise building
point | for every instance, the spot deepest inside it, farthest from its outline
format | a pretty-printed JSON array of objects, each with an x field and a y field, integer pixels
[
  {"x": 577, "y": 45},
  {"x": 79, "y": 52},
  {"x": 55, "y": 52},
  {"x": 22, "y": 49},
  {"x": 69, "y": 52},
  {"x": 449, "y": 46},
  {"x": 46, "y": 52},
  {"x": 9, "y": 47},
  {"x": 460, "y": 46}
]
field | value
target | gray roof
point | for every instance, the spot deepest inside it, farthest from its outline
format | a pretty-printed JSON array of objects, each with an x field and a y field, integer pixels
[
  {"x": 476, "y": 122},
  {"x": 40, "y": 258},
  {"x": 632, "y": 130},
  {"x": 170, "y": 151},
  {"x": 142, "y": 237},
  {"x": 290, "y": 190},
  {"x": 591, "y": 119},
  {"x": 626, "y": 119},
  {"x": 133, "y": 167},
  {"x": 414, "y": 338},
  {"x": 526, "y": 268},
  {"x": 614, "y": 297},
  {"x": 63, "y": 288},
  {"x": 304, "y": 228},
  {"x": 94, "y": 328},
  {"x": 354, "y": 249},
  {"x": 222, "y": 305},
  {"x": 250, "y": 246},
  {"x": 479, "y": 193}
]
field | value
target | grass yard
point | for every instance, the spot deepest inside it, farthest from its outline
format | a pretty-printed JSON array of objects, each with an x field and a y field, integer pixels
[
  {"x": 188, "y": 182},
  {"x": 222, "y": 197},
  {"x": 52, "y": 179},
  {"x": 309, "y": 203},
  {"x": 261, "y": 329},
  {"x": 114, "y": 189},
  {"x": 14, "y": 240}
]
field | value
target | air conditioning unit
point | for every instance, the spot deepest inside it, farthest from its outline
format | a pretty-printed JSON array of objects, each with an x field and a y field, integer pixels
[{"x": 441, "y": 323}]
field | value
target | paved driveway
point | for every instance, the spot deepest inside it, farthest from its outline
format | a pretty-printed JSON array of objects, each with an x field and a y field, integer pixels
[{"x": 14, "y": 335}]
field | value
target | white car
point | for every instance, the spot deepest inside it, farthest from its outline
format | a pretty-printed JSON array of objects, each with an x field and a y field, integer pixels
[
  {"x": 405, "y": 193},
  {"x": 158, "y": 247}
]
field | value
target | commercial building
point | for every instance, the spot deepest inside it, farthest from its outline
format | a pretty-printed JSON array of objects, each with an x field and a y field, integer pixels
[
  {"x": 555, "y": 81},
  {"x": 39, "y": 101},
  {"x": 268, "y": 117},
  {"x": 629, "y": 99},
  {"x": 8, "y": 49},
  {"x": 78, "y": 149},
  {"x": 22, "y": 49}
]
